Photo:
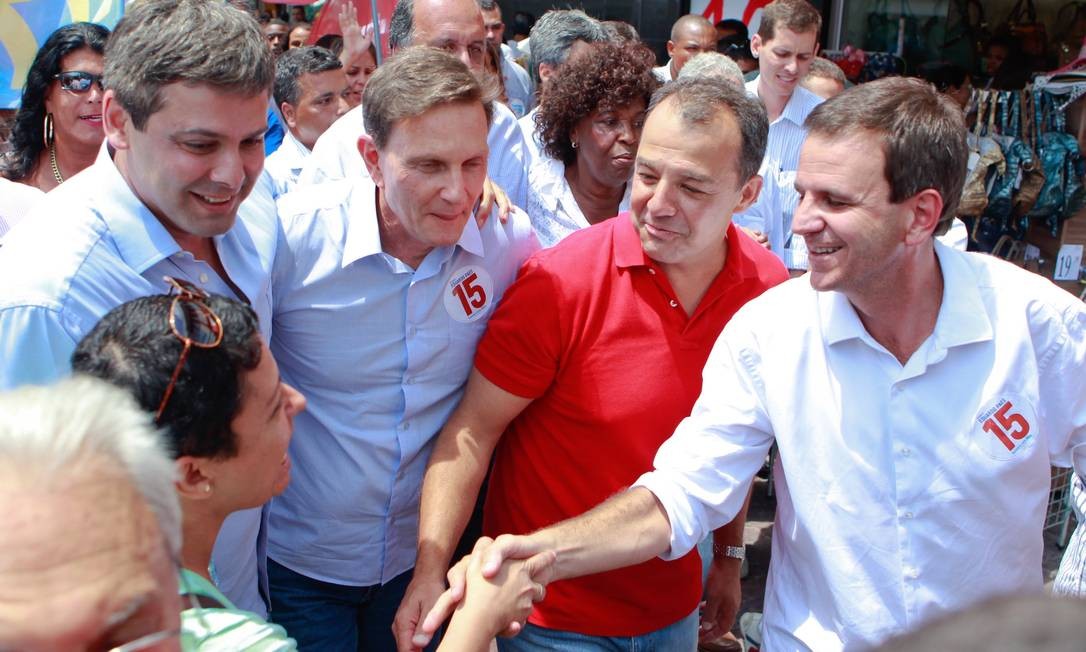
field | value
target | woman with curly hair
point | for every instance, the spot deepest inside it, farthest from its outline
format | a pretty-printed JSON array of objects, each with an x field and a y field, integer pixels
[
  {"x": 58, "y": 128},
  {"x": 590, "y": 123}
]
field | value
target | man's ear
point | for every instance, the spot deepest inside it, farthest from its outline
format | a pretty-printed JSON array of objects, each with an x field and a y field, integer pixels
[
  {"x": 748, "y": 194},
  {"x": 546, "y": 71},
  {"x": 192, "y": 481},
  {"x": 670, "y": 48},
  {"x": 926, "y": 210},
  {"x": 755, "y": 44},
  {"x": 372, "y": 158},
  {"x": 290, "y": 116},
  {"x": 115, "y": 121}
]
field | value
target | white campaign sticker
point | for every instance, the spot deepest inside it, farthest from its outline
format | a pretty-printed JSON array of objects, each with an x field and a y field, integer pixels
[
  {"x": 1004, "y": 426},
  {"x": 468, "y": 293}
]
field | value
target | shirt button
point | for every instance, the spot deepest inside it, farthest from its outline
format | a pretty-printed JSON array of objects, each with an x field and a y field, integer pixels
[
  {"x": 908, "y": 514},
  {"x": 906, "y": 452},
  {"x": 405, "y": 425},
  {"x": 913, "y": 573},
  {"x": 673, "y": 303},
  {"x": 203, "y": 278},
  {"x": 409, "y": 381},
  {"x": 652, "y": 271}
]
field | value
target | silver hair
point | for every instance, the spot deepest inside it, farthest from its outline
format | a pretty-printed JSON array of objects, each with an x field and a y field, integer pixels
[
  {"x": 822, "y": 67},
  {"x": 555, "y": 33},
  {"x": 401, "y": 27},
  {"x": 49, "y": 433},
  {"x": 713, "y": 64}
]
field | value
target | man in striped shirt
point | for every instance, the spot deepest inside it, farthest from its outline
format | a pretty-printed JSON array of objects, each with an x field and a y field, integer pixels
[{"x": 785, "y": 46}]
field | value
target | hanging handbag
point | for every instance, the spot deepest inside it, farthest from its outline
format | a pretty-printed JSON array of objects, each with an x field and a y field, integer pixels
[
  {"x": 985, "y": 160},
  {"x": 1033, "y": 176},
  {"x": 1027, "y": 29}
]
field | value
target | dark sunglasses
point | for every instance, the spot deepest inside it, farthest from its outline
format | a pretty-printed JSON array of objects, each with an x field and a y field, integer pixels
[
  {"x": 192, "y": 322},
  {"x": 78, "y": 81}
]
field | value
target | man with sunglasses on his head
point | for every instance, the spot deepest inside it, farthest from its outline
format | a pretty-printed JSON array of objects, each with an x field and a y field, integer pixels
[{"x": 169, "y": 195}]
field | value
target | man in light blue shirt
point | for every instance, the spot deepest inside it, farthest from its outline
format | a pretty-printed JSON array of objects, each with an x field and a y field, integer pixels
[
  {"x": 785, "y": 46},
  {"x": 383, "y": 287},
  {"x": 163, "y": 198}
]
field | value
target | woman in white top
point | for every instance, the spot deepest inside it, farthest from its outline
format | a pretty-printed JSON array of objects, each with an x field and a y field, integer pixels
[{"x": 589, "y": 122}]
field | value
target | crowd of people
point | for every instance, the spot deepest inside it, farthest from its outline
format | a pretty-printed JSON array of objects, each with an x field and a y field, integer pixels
[{"x": 302, "y": 351}]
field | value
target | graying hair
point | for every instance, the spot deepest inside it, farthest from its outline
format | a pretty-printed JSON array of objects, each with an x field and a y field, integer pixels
[
  {"x": 555, "y": 33},
  {"x": 296, "y": 62},
  {"x": 713, "y": 64},
  {"x": 48, "y": 434},
  {"x": 415, "y": 81},
  {"x": 700, "y": 99},
  {"x": 401, "y": 27},
  {"x": 161, "y": 42},
  {"x": 823, "y": 67}
]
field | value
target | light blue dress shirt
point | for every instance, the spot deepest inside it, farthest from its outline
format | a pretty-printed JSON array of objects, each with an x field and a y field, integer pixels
[
  {"x": 91, "y": 245},
  {"x": 772, "y": 212},
  {"x": 381, "y": 352}
]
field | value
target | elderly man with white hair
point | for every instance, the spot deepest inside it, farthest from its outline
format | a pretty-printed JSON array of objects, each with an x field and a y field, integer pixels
[{"x": 91, "y": 522}]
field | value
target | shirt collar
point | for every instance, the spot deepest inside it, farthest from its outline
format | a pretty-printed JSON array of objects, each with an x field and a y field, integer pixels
[
  {"x": 298, "y": 151},
  {"x": 141, "y": 239},
  {"x": 364, "y": 237},
  {"x": 962, "y": 318},
  {"x": 794, "y": 111}
]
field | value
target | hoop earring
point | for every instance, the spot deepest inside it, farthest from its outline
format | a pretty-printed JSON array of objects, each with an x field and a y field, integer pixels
[
  {"x": 47, "y": 131},
  {"x": 573, "y": 143}
]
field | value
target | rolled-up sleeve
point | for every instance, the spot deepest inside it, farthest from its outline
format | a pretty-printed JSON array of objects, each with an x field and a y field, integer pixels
[{"x": 702, "y": 472}]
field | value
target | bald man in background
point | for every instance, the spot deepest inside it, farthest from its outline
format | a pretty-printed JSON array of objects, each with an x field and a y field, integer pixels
[{"x": 690, "y": 36}]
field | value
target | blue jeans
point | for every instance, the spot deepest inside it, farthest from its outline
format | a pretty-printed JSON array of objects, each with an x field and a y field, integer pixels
[
  {"x": 332, "y": 617},
  {"x": 681, "y": 636}
]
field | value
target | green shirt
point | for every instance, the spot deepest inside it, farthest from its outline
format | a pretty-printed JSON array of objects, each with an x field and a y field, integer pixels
[{"x": 208, "y": 628}]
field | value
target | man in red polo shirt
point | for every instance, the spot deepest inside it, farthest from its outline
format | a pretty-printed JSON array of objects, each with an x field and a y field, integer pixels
[{"x": 589, "y": 363}]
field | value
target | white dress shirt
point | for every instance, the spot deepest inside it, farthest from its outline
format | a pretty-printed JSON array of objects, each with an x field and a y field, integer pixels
[
  {"x": 663, "y": 73},
  {"x": 552, "y": 208},
  {"x": 904, "y": 492},
  {"x": 285, "y": 164},
  {"x": 336, "y": 156},
  {"x": 90, "y": 245},
  {"x": 381, "y": 352},
  {"x": 533, "y": 146}
]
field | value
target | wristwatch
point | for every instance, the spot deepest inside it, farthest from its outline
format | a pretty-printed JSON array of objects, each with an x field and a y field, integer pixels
[{"x": 732, "y": 552}]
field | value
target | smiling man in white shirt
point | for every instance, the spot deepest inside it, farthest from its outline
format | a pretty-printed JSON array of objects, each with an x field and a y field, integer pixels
[{"x": 917, "y": 394}]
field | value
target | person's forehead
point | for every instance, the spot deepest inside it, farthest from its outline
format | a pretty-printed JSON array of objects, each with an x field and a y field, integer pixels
[
  {"x": 277, "y": 29},
  {"x": 83, "y": 59},
  {"x": 454, "y": 20},
  {"x": 184, "y": 106},
  {"x": 696, "y": 31},
  {"x": 796, "y": 41},
  {"x": 321, "y": 82},
  {"x": 86, "y": 549},
  {"x": 413, "y": 136},
  {"x": 711, "y": 149},
  {"x": 492, "y": 15}
]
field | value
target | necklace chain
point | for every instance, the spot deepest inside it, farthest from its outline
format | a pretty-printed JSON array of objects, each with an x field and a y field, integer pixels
[{"x": 53, "y": 161}]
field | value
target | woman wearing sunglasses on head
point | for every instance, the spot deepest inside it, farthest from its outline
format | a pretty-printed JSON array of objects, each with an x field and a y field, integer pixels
[
  {"x": 197, "y": 363},
  {"x": 58, "y": 128}
]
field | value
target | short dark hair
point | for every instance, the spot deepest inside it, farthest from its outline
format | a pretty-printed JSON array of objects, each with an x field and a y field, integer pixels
[
  {"x": 798, "y": 16},
  {"x": 612, "y": 76},
  {"x": 133, "y": 347},
  {"x": 294, "y": 63},
  {"x": 279, "y": 22},
  {"x": 922, "y": 133},
  {"x": 944, "y": 75},
  {"x": 701, "y": 99},
  {"x": 401, "y": 27},
  {"x": 522, "y": 23},
  {"x": 737, "y": 26},
  {"x": 161, "y": 42},
  {"x": 27, "y": 138}
]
